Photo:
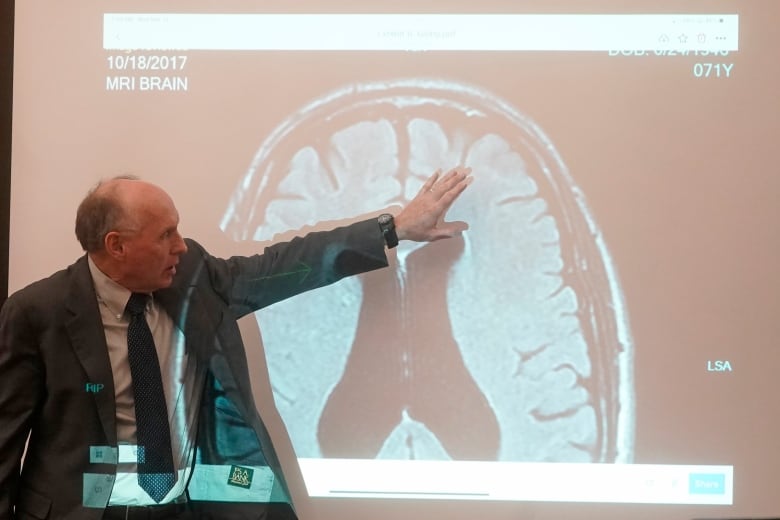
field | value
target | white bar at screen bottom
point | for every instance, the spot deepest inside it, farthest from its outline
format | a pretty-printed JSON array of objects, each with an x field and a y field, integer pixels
[{"x": 520, "y": 481}]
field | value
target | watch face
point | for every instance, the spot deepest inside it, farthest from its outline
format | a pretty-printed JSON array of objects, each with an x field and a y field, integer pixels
[{"x": 385, "y": 219}]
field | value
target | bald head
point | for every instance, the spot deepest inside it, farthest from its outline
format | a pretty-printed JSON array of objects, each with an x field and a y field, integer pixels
[
  {"x": 130, "y": 230},
  {"x": 118, "y": 204}
]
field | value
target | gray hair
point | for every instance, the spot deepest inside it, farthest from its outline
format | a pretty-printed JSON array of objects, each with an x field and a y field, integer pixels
[{"x": 99, "y": 213}]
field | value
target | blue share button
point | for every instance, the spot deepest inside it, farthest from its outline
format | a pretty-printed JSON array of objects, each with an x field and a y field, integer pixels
[{"x": 707, "y": 484}]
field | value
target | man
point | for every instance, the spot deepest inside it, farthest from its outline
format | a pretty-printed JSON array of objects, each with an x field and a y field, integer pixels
[{"x": 128, "y": 372}]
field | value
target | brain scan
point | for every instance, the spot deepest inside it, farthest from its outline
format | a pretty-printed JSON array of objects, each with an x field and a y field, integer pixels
[{"x": 509, "y": 343}]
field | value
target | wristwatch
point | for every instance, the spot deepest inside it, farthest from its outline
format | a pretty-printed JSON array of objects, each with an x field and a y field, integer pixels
[{"x": 387, "y": 225}]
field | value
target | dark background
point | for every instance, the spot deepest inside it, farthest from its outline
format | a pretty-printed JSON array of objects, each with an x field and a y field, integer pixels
[{"x": 6, "y": 94}]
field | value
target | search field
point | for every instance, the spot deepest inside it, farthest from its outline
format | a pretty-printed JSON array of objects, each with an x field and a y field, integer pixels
[{"x": 420, "y": 32}]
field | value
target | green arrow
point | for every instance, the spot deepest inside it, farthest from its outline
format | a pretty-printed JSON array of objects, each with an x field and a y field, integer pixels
[{"x": 301, "y": 269}]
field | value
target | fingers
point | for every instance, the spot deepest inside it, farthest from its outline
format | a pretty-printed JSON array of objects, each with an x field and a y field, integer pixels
[
  {"x": 426, "y": 187},
  {"x": 439, "y": 186},
  {"x": 447, "y": 230},
  {"x": 454, "y": 228},
  {"x": 451, "y": 188},
  {"x": 452, "y": 177}
]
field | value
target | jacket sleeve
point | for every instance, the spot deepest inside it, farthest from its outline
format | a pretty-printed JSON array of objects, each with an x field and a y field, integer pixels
[
  {"x": 302, "y": 264},
  {"x": 20, "y": 373}
]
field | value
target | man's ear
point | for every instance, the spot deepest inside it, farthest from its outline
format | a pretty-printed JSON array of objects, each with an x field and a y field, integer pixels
[{"x": 114, "y": 245}]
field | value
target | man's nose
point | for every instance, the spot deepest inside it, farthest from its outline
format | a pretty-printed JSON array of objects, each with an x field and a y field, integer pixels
[{"x": 181, "y": 246}]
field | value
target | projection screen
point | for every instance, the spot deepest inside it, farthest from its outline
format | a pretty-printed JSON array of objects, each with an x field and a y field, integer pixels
[{"x": 601, "y": 343}]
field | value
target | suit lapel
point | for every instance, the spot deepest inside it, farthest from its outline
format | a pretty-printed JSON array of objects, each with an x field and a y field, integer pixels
[
  {"x": 197, "y": 317},
  {"x": 185, "y": 309},
  {"x": 200, "y": 320},
  {"x": 88, "y": 338}
]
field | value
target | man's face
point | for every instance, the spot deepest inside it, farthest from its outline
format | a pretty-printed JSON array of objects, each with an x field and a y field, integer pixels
[{"x": 153, "y": 247}]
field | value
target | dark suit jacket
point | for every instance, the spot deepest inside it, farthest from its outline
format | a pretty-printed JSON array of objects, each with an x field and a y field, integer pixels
[{"x": 52, "y": 348}]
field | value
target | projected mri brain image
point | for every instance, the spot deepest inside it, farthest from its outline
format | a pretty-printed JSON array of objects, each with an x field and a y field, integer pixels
[{"x": 509, "y": 343}]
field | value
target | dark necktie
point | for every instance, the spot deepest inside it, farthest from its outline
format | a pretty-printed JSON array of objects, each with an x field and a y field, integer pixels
[{"x": 155, "y": 459}]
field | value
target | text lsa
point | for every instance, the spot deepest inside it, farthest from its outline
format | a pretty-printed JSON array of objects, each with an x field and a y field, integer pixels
[{"x": 718, "y": 366}]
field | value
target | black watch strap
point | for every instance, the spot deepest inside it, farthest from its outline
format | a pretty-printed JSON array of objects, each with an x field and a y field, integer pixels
[{"x": 387, "y": 225}]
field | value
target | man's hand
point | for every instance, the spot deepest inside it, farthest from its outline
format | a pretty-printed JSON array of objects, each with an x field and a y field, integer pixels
[{"x": 422, "y": 220}]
